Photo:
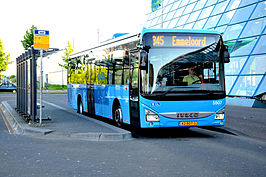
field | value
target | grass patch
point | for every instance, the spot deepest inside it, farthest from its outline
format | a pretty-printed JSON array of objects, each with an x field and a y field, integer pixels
[{"x": 52, "y": 87}]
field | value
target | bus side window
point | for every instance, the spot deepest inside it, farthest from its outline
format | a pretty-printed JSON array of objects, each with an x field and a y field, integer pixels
[
  {"x": 134, "y": 70},
  {"x": 110, "y": 75},
  {"x": 92, "y": 73},
  {"x": 126, "y": 74},
  {"x": 118, "y": 72}
]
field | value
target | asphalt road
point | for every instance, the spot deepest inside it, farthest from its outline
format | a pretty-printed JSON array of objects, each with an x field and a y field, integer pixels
[{"x": 196, "y": 152}]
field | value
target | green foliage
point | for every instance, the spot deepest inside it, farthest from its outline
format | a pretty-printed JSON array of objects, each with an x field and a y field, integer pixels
[
  {"x": 52, "y": 86},
  {"x": 12, "y": 78},
  {"x": 56, "y": 87},
  {"x": 4, "y": 59},
  {"x": 68, "y": 50},
  {"x": 28, "y": 38}
]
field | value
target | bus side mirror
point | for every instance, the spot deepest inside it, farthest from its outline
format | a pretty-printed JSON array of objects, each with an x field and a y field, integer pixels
[
  {"x": 143, "y": 63},
  {"x": 226, "y": 54}
]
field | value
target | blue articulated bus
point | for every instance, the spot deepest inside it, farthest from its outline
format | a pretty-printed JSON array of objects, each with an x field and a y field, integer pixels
[{"x": 158, "y": 78}]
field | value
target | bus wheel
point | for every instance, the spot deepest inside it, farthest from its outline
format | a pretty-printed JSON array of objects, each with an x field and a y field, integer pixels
[
  {"x": 80, "y": 107},
  {"x": 118, "y": 116}
]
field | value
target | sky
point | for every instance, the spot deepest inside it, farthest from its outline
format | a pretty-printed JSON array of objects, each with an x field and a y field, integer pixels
[{"x": 77, "y": 21}]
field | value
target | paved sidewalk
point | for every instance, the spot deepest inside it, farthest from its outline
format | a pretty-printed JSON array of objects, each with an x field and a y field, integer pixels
[{"x": 64, "y": 124}]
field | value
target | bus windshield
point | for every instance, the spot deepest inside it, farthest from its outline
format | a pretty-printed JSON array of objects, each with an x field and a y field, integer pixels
[{"x": 181, "y": 71}]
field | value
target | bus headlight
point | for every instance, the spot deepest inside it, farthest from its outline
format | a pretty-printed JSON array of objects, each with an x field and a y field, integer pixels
[
  {"x": 151, "y": 116},
  {"x": 220, "y": 115}
]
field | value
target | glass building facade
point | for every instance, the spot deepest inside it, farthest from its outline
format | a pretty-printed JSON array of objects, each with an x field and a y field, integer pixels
[{"x": 242, "y": 25}]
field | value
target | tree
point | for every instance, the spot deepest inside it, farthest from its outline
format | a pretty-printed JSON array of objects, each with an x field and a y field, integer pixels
[
  {"x": 12, "y": 78},
  {"x": 4, "y": 59},
  {"x": 68, "y": 50},
  {"x": 28, "y": 38}
]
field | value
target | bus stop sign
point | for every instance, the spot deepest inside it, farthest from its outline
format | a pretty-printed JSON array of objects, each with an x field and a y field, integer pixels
[{"x": 41, "y": 39}]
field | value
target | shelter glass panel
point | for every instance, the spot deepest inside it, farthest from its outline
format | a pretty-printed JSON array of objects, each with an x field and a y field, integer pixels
[
  {"x": 226, "y": 17},
  {"x": 255, "y": 65},
  {"x": 242, "y": 14},
  {"x": 235, "y": 65},
  {"x": 230, "y": 44},
  {"x": 246, "y": 85},
  {"x": 229, "y": 80},
  {"x": 221, "y": 29},
  {"x": 233, "y": 4},
  {"x": 182, "y": 20},
  {"x": 189, "y": 8},
  {"x": 183, "y": 3},
  {"x": 205, "y": 12},
  {"x": 176, "y": 5},
  {"x": 189, "y": 26},
  {"x": 179, "y": 12},
  {"x": 243, "y": 46},
  {"x": 212, "y": 21},
  {"x": 172, "y": 23},
  {"x": 200, "y": 4},
  {"x": 253, "y": 28},
  {"x": 246, "y": 2},
  {"x": 210, "y": 2},
  {"x": 199, "y": 24},
  {"x": 219, "y": 8},
  {"x": 233, "y": 31},
  {"x": 170, "y": 15},
  {"x": 193, "y": 16},
  {"x": 260, "y": 10},
  {"x": 262, "y": 86},
  {"x": 261, "y": 46}
]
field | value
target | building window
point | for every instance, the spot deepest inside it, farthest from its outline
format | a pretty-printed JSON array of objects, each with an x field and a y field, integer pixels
[
  {"x": 254, "y": 28},
  {"x": 232, "y": 32},
  {"x": 261, "y": 46},
  {"x": 242, "y": 14}
]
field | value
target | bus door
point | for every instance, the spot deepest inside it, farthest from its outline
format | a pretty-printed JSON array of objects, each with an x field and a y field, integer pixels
[
  {"x": 134, "y": 88},
  {"x": 90, "y": 88}
]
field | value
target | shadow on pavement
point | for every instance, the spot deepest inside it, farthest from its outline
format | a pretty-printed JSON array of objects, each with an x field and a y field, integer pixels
[{"x": 170, "y": 133}]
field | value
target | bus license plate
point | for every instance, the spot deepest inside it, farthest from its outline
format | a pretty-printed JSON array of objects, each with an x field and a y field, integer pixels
[{"x": 188, "y": 123}]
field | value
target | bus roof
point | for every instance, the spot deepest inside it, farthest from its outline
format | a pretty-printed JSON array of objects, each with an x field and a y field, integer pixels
[
  {"x": 126, "y": 37},
  {"x": 129, "y": 37}
]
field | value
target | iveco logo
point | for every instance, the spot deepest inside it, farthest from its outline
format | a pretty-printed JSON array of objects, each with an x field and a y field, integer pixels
[{"x": 187, "y": 115}]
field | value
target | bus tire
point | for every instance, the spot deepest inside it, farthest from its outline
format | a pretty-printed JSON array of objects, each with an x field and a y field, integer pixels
[{"x": 118, "y": 118}]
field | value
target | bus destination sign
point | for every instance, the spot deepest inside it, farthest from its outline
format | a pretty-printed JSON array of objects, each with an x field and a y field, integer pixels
[
  {"x": 179, "y": 40},
  {"x": 174, "y": 41}
]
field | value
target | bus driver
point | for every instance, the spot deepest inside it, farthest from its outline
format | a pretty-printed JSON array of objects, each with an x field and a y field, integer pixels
[{"x": 191, "y": 78}]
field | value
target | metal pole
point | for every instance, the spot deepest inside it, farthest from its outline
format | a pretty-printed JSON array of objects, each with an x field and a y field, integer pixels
[
  {"x": 41, "y": 83},
  {"x": 62, "y": 78},
  {"x": 34, "y": 86},
  {"x": 26, "y": 88},
  {"x": 16, "y": 81},
  {"x": 23, "y": 84},
  {"x": 31, "y": 88},
  {"x": 20, "y": 94}
]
